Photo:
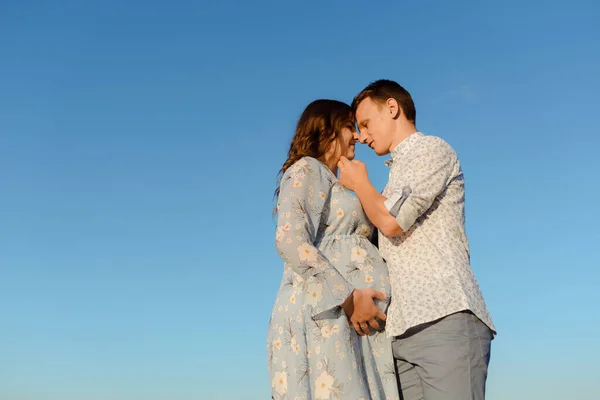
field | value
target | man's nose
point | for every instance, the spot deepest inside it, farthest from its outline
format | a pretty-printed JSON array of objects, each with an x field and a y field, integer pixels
[{"x": 362, "y": 137}]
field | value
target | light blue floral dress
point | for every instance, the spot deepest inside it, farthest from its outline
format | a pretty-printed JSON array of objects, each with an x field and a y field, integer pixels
[{"x": 323, "y": 237}]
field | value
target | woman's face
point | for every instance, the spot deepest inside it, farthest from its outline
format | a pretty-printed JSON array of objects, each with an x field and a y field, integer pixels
[{"x": 344, "y": 145}]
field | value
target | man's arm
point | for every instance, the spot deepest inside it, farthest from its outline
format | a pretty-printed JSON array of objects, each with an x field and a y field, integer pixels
[
  {"x": 354, "y": 176},
  {"x": 425, "y": 176},
  {"x": 373, "y": 203},
  {"x": 433, "y": 164}
]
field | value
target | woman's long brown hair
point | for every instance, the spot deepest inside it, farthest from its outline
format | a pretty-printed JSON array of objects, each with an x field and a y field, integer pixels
[{"x": 318, "y": 127}]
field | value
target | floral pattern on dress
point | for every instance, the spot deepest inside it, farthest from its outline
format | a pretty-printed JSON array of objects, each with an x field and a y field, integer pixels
[{"x": 323, "y": 237}]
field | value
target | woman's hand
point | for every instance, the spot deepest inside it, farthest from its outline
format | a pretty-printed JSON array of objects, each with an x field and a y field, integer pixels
[{"x": 362, "y": 312}]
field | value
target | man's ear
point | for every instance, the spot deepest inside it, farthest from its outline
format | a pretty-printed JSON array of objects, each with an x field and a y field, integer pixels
[{"x": 393, "y": 108}]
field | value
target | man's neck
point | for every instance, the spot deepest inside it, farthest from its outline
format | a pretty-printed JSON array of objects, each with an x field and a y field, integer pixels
[{"x": 402, "y": 132}]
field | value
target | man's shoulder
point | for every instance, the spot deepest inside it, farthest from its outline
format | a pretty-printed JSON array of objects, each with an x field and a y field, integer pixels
[
  {"x": 435, "y": 141},
  {"x": 434, "y": 144}
]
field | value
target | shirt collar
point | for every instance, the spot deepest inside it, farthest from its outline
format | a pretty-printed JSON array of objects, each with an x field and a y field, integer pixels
[{"x": 403, "y": 147}]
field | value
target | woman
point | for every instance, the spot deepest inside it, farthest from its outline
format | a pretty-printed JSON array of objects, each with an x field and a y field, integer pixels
[{"x": 323, "y": 238}]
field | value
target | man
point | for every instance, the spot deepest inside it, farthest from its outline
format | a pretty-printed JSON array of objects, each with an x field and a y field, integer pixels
[{"x": 440, "y": 323}]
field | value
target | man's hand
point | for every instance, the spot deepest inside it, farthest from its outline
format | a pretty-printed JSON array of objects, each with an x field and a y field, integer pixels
[
  {"x": 362, "y": 311},
  {"x": 352, "y": 173}
]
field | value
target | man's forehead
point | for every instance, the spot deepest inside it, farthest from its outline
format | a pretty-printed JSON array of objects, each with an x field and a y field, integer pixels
[
  {"x": 362, "y": 110},
  {"x": 366, "y": 105}
]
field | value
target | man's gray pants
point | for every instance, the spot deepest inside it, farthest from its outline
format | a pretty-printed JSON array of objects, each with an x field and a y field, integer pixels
[{"x": 444, "y": 360}]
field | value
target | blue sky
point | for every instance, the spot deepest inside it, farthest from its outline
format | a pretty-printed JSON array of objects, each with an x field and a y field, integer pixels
[{"x": 139, "y": 145}]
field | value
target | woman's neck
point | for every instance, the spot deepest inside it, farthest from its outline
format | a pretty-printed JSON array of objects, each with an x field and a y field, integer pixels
[{"x": 332, "y": 165}]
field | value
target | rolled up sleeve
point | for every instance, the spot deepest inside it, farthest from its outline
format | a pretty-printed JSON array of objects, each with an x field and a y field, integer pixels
[{"x": 394, "y": 204}]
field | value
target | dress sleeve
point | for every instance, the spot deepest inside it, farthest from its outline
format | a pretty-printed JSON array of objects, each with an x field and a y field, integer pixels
[{"x": 304, "y": 191}]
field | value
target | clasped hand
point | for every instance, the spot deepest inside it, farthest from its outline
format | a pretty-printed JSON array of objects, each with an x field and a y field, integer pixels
[{"x": 362, "y": 312}]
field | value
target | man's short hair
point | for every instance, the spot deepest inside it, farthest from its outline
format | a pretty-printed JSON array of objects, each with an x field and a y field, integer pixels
[{"x": 382, "y": 90}]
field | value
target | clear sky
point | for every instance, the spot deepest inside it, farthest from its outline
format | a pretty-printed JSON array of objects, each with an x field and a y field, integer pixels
[{"x": 139, "y": 145}]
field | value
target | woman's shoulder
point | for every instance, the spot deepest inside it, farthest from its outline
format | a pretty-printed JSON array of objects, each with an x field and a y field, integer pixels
[
  {"x": 309, "y": 166},
  {"x": 308, "y": 162}
]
